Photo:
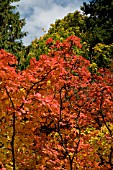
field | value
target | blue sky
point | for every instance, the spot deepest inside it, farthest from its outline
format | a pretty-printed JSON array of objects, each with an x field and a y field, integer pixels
[{"x": 41, "y": 13}]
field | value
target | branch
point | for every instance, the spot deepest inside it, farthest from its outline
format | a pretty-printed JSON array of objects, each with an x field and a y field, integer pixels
[
  {"x": 103, "y": 117},
  {"x": 10, "y": 98},
  {"x": 36, "y": 83}
]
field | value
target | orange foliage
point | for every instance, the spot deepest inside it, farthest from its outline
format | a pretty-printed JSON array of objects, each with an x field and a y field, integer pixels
[{"x": 51, "y": 113}]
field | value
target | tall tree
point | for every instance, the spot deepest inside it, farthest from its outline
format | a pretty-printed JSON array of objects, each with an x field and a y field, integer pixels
[
  {"x": 99, "y": 24},
  {"x": 72, "y": 24},
  {"x": 94, "y": 48},
  {"x": 10, "y": 27}
]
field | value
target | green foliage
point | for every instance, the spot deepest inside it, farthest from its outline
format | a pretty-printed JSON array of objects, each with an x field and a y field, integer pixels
[
  {"x": 103, "y": 54},
  {"x": 10, "y": 27},
  {"x": 99, "y": 25},
  {"x": 72, "y": 24},
  {"x": 100, "y": 18},
  {"x": 102, "y": 142},
  {"x": 94, "y": 47}
]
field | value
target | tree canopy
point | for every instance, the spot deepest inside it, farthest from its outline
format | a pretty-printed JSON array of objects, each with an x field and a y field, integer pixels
[
  {"x": 100, "y": 19},
  {"x": 10, "y": 27},
  {"x": 94, "y": 31},
  {"x": 99, "y": 25},
  {"x": 56, "y": 114},
  {"x": 56, "y": 100}
]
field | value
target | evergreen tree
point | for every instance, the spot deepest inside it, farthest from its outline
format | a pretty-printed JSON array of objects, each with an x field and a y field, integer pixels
[
  {"x": 99, "y": 25},
  {"x": 10, "y": 27},
  {"x": 100, "y": 20}
]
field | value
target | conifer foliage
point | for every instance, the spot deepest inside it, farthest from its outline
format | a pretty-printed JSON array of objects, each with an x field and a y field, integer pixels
[
  {"x": 100, "y": 19},
  {"x": 10, "y": 27}
]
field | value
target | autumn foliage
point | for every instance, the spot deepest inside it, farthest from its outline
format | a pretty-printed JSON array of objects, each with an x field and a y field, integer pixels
[{"x": 56, "y": 114}]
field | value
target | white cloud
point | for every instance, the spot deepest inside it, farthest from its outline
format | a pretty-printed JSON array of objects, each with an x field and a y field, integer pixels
[{"x": 41, "y": 13}]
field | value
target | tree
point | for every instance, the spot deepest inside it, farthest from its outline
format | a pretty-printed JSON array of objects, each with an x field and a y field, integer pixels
[
  {"x": 56, "y": 114},
  {"x": 100, "y": 16},
  {"x": 72, "y": 24},
  {"x": 99, "y": 24},
  {"x": 94, "y": 48},
  {"x": 10, "y": 27}
]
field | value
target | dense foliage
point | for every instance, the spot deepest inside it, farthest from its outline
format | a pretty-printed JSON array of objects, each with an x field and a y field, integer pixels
[
  {"x": 72, "y": 24},
  {"x": 99, "y": 25},
  {"x": 10, "y": 27},
  {"x": 94, "y": 49},
  {"x": 56, "y": 95},
  {"x": 100, "y": 20},
  {"x": 57, "y": 114}
]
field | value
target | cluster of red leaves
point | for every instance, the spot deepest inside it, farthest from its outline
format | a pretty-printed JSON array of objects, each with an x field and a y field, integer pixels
[
  {"x": 49, "y": 41},
  {"x": 59, "y": 106},
  {"x": 2, "y": 166}
]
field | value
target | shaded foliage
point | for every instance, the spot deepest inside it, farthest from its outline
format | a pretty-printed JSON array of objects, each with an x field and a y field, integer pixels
[{"x": 11, "y": 27}]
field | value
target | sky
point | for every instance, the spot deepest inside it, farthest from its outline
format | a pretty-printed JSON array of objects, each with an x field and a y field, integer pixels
[{"x": 40, "y": 14}]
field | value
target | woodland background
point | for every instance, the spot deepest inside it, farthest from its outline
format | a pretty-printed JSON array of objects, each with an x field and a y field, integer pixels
[{"x": 56, "y": 95}]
